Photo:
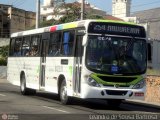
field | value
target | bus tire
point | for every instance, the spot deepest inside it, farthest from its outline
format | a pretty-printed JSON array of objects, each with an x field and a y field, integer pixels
[
  {"x": 64, "y": 98},
  {"x": 23, "y": 88},
  {"x": 114, "y": 102}
]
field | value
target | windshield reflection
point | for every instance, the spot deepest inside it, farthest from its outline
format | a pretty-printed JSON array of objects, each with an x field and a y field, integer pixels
[{"x": 116, "y": 55}]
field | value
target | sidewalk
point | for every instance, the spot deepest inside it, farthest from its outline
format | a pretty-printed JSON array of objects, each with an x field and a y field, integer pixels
[
  {"x": 3, "y": 80},
  {"x": 144, "y": 103},
  {"x": 3, "y": 72}
]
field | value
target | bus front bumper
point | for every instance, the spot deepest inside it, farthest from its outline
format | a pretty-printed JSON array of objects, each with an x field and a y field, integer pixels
[{"x": 112, "y": 93}]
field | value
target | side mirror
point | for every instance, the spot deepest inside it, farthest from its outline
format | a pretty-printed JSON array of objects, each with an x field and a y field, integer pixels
[{"x": 84, "y": 42}]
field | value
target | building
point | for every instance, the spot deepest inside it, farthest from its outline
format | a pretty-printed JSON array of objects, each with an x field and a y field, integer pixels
[
  {"x": 20, "y": 19},
  {"x": 47, "y": 10},
  {"x": 121, "y": 8},
  {"x": 150, "y": 17},
  {"x": 13, "y": 20},
  {"x": 4, "y": 21}
]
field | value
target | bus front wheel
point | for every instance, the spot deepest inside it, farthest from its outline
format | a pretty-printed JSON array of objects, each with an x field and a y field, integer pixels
[{"x": 64, "y": 98}]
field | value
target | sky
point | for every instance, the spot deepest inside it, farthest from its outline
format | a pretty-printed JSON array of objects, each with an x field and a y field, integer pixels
[{"x": 106, "y": 5}]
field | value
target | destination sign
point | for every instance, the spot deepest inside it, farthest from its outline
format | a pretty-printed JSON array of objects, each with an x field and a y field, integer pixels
[{"x": 116, "y": 29}]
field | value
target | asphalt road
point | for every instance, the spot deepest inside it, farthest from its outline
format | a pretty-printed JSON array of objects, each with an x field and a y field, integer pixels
[{"x": 46, "y": 106}]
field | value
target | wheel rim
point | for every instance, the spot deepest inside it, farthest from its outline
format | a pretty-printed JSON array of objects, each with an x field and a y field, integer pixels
[
  {"x": 64, "y": 93},
  {"x": 22, "y": 84}
]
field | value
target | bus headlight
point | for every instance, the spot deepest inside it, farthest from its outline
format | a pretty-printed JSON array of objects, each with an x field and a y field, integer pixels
[
  {"x": 140, "y": 84},
  {"x": 92, "y": 82}
]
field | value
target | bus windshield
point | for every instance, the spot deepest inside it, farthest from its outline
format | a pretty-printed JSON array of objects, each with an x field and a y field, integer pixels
[{"x": 116, "y": 55}]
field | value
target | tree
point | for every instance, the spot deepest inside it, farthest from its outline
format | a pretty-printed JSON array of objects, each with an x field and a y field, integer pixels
[
  {"x": 70, "y": 12},
  {"x": 4, "y": 55},
  {"x": 73, "y": 12}
]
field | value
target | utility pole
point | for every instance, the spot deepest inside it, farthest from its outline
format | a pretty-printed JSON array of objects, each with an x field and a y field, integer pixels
[
  {"x": 82, "y": 9},
  {"x": 37, "y": 13}
]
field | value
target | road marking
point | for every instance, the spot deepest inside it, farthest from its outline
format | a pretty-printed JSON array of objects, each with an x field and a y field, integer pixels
[
  {"x": 56, "y": 109},
  {"x": 2, "y": 95}
]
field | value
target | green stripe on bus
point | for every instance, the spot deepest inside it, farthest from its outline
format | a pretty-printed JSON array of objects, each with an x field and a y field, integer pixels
[
  {"x": 112, "y": 21},
  {"x": 100, "y": 81},
  {"x": 70, "y": 70}
]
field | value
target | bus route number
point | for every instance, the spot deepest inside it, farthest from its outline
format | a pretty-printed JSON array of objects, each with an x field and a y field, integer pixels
[{"x": 100, "y": 27}]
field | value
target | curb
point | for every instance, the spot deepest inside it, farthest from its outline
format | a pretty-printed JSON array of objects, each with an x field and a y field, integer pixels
[{"x": 143, "y": 103}]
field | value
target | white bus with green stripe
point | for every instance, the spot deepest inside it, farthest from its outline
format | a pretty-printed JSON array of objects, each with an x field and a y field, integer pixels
[{"x": 89, "y": 59}]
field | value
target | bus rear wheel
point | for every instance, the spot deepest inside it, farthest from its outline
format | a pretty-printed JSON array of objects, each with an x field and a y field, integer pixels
[
  {"x": 64, "y": 98},
  {"x": 23, "y": 88}
]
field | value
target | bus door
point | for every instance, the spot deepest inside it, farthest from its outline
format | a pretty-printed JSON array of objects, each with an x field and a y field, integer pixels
[
  {"x": 44, "y": 51},
  {"x": 78, "y": 64}
]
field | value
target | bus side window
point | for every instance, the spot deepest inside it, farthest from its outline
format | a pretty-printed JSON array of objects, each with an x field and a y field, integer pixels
[
  {"x": 67, "y": 43},
  {"x": 35, "y": 46},
  {"x": 54, "y": 46},
  {"x": 11, "y": 50},
  {"x": 26, "y": 46},
  {"x": 17, "y": 47}
]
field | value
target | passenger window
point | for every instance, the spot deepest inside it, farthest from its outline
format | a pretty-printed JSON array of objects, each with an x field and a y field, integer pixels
[
  {"x": 17, "y": 47},
  {"x": 35, "y": 46},
  {"x": 26, "y": 46},
  {"x": 67, "y": 44},
  {"x": 54, "y": 46}
]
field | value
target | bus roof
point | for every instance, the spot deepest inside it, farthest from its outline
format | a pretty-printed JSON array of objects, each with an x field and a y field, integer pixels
[{"x": 64, "y": 26}]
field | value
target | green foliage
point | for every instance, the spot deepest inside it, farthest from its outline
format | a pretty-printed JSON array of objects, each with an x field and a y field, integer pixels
[
  {"x": 3, "y": 55},
  {"x": 45, "y": 24},
  {"x": 48, "y": 23},
  {"x": 3, "y": 62},
  {"x": 4, "y": 51}
]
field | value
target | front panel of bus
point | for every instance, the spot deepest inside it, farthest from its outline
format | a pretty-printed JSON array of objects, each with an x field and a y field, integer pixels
[{"x": 115, "y": 61}]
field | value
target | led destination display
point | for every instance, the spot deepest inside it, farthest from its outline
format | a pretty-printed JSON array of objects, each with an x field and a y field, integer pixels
[{"x": 116, "y": 29}]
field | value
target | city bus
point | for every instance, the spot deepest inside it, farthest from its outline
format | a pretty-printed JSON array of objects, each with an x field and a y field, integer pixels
[{"x": 88, "y": 59}]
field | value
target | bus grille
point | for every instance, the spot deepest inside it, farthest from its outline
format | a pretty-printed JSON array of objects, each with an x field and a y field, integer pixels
[
  {"x": 117, "y": 79},
  {"x": 115, "y": 92}
]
